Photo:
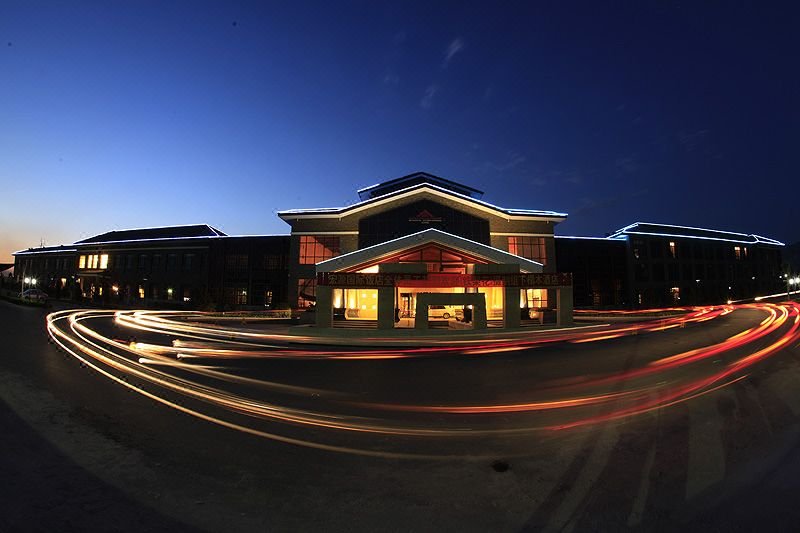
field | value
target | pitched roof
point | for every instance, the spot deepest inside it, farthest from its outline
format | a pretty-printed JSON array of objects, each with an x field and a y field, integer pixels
[
  {"x": 379, "y": 189},
  {"x": 431, "y": 235},
  {"x": 332, "y": 212},
  {"x": 166, "y": 232},
  {"x": 688, "y": 232},
  {"x": 46, "y": 249}
]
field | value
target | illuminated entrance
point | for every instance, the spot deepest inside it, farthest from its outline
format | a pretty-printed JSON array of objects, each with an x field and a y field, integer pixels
[{"x": 435, "y": 279}]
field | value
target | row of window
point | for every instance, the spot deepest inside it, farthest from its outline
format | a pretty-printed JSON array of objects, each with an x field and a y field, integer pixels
[
  {"x": 672, "y": 249},
  {"x": 690, "y": 272},
  {"x": 188, "y": 262},
  {"x": 316, "y": 248}
]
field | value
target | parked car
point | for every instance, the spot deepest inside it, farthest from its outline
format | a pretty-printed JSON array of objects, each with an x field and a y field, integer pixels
[
  {"x": 35, "y": 295},
  {"x": 445, "y": 311}
]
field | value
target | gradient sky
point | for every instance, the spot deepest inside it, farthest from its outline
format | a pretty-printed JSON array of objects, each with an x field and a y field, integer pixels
[{"x": 130, "y": 114}]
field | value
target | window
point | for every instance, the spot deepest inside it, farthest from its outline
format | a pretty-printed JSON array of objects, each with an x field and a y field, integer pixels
[
  {"x": 187, "y": 294},
  {"x": 675, "y": 292},
  {"x": 268, "y": 298},
  {"x": 528, "y": 247},
  {"x": 170, "y": 293},
  {"x": 172, "y": 261},
  {"x": 672, "y": 249},
  {"x": 82, "y": 262},
  {"x": 104, "y": 261},
  {"x": 142, "y": 262},
  {"x": 131, "y": 261},
  {"x": 314, "y": 249},
  {"x": 236, "y": 295},
  {"x": 141, "y": 292},
  {"x": 737, "y": 252},
  {"x": 273, "y": 262},
  {"x": 306, "y": 292},
  {"x": 188, "y": 262},
  {"x": 533, "y": 298},
  {"x": 236, "y": 265}
]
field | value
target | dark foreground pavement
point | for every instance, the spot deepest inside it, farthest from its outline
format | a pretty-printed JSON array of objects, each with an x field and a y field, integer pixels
[{"x": 82, "y": 453}]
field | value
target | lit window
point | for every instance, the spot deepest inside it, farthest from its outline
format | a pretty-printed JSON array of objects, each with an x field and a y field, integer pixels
[
  {"x": 528, "y": 247},
  {"x": 533, "y": 298},
  {"x": 672, "y": 249},
  {"x": 141, "y": 292},
  {"x": 82, "y": 261},
  {"x": 95, "y": 261},
  {"x": 314, "y": 249},
  {"x": 169, "y": 293},
  {"x": 676, "y": 294},
  {"x": 737, "y": 252},
  {"x": 104, "y": 261},
  {"x": 306, "y": 292}
]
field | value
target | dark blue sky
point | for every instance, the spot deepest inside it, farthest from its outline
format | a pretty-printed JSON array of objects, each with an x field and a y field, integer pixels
[{"x": 118, "y": 115}]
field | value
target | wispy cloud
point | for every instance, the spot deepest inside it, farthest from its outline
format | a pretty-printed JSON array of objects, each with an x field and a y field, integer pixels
[
  {"x": 430, "y": 94},
  {"x": 391, "y": 78},
  {"x": 627, "y": 164},
  {"x": 691, "y": 140},
  {"x": 455, "y": 46},
  {"x": 512, "y": 160}
]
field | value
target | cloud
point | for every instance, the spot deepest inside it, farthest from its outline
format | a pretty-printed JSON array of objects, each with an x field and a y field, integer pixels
[
  {"x": 391, "y": 78},
  {"x": 627, "y": 164},
  {"x": 691, "y": 140},
  {"x": 427, "y": 98},
  {"x": 513, "y": 160},
  {"x": 455, "y": 46}
]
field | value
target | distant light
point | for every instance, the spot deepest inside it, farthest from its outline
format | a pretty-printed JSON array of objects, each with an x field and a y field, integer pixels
[
  {"x": 27, "y": 280},
  {"x": 169, "y": 291},
  {"x": 115, "y": 288},
  {"x": 33, "y": 281},
  {"x": 730, "y": 302}
]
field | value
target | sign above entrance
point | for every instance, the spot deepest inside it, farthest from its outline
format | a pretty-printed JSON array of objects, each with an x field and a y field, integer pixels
[
  {"x": 425, "y": 217},
  {"x": 431, "y": 279}
]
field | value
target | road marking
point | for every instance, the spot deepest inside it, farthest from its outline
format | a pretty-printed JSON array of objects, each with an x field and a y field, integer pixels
[
  {"x": 706, "y": 451},
  {"x": 637, "y": 511},
  {"x": 563, "y": 518}
]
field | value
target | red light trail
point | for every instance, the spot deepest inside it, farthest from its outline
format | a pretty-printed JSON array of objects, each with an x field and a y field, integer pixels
[{"x": 191, "y": 366}]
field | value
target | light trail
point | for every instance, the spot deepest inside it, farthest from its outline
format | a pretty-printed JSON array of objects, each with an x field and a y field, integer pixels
[{"x": 184, "y": 372}]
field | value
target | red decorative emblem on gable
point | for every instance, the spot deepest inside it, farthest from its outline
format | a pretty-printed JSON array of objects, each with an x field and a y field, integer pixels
[{"x": 425, "y": 217}]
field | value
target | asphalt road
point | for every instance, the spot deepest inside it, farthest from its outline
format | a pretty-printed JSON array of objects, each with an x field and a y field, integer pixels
[{"x": 81, "y": 452}]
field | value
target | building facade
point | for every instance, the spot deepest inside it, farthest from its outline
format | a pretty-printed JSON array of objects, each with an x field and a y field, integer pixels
[
  {"x": 185, "y": 266},
  {"x": 414, "y": 242}
]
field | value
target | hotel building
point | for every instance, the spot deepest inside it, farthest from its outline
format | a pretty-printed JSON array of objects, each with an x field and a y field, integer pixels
[{"x": 414, "y": 251}]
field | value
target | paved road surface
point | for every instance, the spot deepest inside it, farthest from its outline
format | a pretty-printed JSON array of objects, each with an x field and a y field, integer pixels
[{"x": 83, "y": 453}]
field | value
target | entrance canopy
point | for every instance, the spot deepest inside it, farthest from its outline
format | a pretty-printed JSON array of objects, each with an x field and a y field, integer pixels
[{"x": 403, "y": 249}]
